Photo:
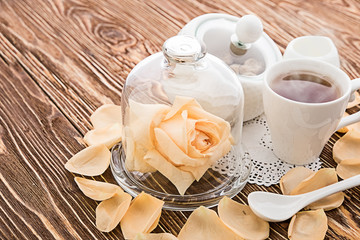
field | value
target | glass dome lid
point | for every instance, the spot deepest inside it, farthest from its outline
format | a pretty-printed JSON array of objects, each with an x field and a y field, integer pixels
[{"x": 182, "y": 122}]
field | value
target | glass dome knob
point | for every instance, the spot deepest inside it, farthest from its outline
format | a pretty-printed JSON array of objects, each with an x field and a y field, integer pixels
[
  {"x": 248, "y": 30},
  {"x": 183, "y": 49}
]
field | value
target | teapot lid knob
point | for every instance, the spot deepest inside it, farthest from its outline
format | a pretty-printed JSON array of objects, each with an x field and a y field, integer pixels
[{"x": 248, "y": 29}]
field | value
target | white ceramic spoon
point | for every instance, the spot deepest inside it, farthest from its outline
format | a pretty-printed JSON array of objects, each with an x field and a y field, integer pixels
[{"x": 274, "y": 207}]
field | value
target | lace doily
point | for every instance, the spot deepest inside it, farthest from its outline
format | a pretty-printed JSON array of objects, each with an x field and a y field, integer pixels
[{"x": 267, "y": 169}]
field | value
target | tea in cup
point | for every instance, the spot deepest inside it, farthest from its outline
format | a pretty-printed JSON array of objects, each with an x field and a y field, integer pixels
[{"x": 304, "y": 101}]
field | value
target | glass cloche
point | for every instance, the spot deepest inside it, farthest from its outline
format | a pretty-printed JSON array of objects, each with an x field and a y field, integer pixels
[{"x": 182, "y": 123}]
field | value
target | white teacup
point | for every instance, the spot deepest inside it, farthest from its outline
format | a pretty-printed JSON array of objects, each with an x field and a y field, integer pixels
[
  {"x": 316, "y": 47},
  {"x": 300, "y": 130}
]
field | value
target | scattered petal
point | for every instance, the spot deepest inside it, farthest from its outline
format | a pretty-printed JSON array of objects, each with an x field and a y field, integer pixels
[
  {"x": 308, "y": 225},
  {"x": 347, "y": 147},
  {"x": 322, "y": 178},
  {"x": 142, "y": 216},
  {"x": 292, "y": 178},
  {"x": 241, "y": 220},
  {"x": 155, "y": 236},
  {"x": 109, "y": 135},
  {"x": 204, "y": 224},
  {"x": 96, "y": 190},
  {"x": 348, "y": 168},
  {"x": 109, "y": 212},
  {"x": 91, "y": 161},
  {"x": 354, "y": 127},
  {"x": 108, "y": 114},
  {"x": 181, "y": 179}
]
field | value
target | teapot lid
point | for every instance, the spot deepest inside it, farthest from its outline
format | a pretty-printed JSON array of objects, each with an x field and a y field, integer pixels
[{"x": 239, "y": 42}]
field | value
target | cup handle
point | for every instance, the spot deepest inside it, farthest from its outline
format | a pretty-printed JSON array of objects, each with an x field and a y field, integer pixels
[{"x": 353, "y": 118}]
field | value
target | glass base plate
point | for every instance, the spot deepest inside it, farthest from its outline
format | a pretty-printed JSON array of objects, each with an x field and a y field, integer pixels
[{"x": 207, "y": 192}]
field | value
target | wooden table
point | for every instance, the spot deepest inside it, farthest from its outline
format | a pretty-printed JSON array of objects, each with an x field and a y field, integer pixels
[{"x": 61, "y": 59}]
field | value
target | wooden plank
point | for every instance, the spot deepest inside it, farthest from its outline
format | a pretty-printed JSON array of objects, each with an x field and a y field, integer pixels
[{"x": 39, "y": 198}]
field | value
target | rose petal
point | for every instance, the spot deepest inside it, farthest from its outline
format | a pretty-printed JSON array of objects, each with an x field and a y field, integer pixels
[
  {"x": 172, "y": 152},
  {"x": 142, "y": 215},
  {"x": 204, "y": 224},
  {"x": 96, "y": 190},
  {"x": 106, "y": 115},
  {"x": 176, "y": 130},
  {"x": 195, "y": 111},
  {"x": 198, "y": 113},
  {"x": 135, "y": 159},
  {"x": 220, "y": 150},
  {"x": 109, "y": 135},
  {"x": 211, "y": 130},
  {"x": 241, "y": 220},
  {"x": 331, "y": 202},
  {"x": 198, "y": 171},
  {"x": 354, "y": 127},
  {"x": 155, "y": 223},
  {"x": 143, "y": 118},
  {"x": 91, "y": 161},
  {"x": 348, "y": 168},
  {"x": 109, "y": 212},
  {"x": 180, "y": 104},
  {"x": 293, "y": 177},
  {"x": 347, "y": 147},
  {"x": 155, "y": 236},
  {"x": 196, "y": 166},
  {"x": 181, "y": 179},
  {"x": 139, "y": 133},
  {"x": 308, "y": 225},
  {"x": 320, "y": 179}
]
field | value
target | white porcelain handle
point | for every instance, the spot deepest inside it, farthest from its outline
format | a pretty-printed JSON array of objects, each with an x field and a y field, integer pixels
[
  {"x": 331, "y": 189},
  {"x": 353, "y": 118}
]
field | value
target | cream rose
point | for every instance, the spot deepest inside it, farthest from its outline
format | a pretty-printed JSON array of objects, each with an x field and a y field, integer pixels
[{"x": 181, "y": 141}]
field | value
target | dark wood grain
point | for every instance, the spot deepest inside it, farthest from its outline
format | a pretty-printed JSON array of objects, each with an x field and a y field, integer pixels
[{"x": 61, "y": 59}]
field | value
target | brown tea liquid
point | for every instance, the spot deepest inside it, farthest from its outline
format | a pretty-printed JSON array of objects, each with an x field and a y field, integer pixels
[{"x": 305, "y": 87}]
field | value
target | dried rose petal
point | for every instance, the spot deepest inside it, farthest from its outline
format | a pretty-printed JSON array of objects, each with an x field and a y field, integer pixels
[
  {"x": 354, "y": 126},
  {"x": 139, "y": 133},
  {"x": 308, "y": 225},
  {"x": 96, "y": 190},
  {"x": 181, "y": 179},
  {"x": 142, "y": 216},
  {"x": 320, "y": 179},
  {"x": 109, "y": 212},
  {"x": 204, "y": 224},
  {"x": 108, "y": 114},
  {"x": 155, "y": 236},
  {"x": 347, "y": 147},
  {"x": 241, "y": 220},
  {"x": 292, "y": 178},
  {"x": 348, "y": 168},
  {"x": 91, "y": 161},
  {"x": 109, "y": 135}
]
